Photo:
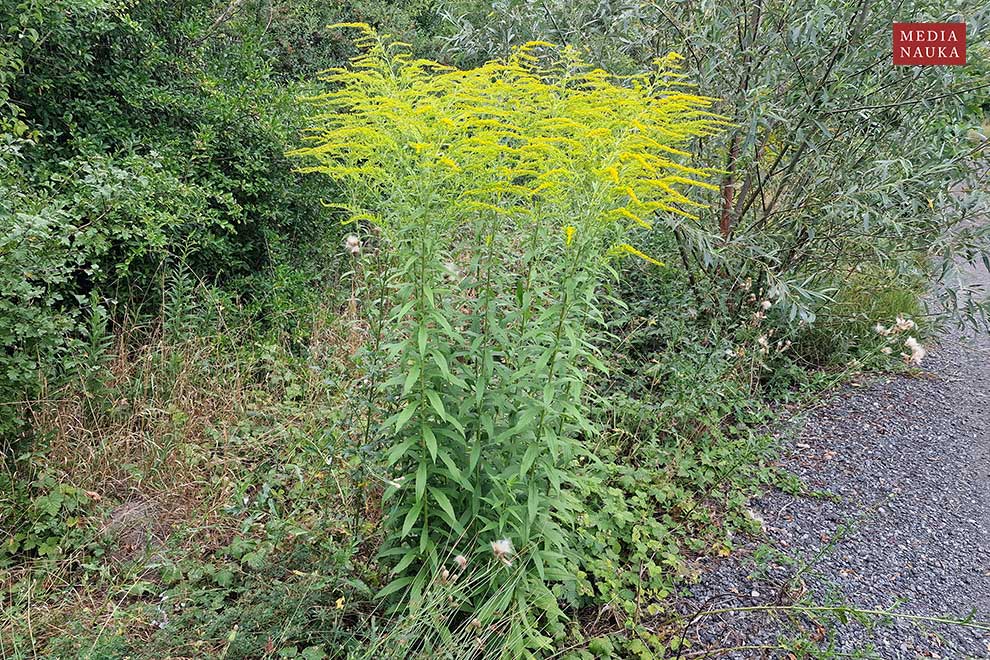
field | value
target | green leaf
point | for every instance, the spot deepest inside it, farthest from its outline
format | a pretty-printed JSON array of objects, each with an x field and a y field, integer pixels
[
  {"x": 393, "y": 586},
  {"x": 411, "y": 379},
  {"x": 420, "y": 480},
  {"x": 533, "y": 502},
  {"x": 431, "y": 442},
  {"x": 405, "y": 415},
  {"x": 441, "y": 362},
  {"x": 455, "y": 472},
  {"x": 224, "y": 577},
  {"x": 538, "y": 562},
  {"x": 411, "y": 517},
  {"x": 527, "y": 461},
  {"x": 407, "y": 559},
  {"x": 475, "y": 456},
  {"x": 441, "y": 498},
  {"x": 398, "y": 451},
  {"x": 436, "y": 403}
]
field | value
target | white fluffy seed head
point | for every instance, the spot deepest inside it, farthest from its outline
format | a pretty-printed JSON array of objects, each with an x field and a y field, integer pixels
[
  {"x": 353, "y": 244},
  {"x": 918, "y": 351},
  {"x": 902, "y": 324},
  {"x": 502, "y": 549}
]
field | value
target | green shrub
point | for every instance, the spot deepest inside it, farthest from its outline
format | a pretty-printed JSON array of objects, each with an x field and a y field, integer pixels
[
  {"x": 86, "y": 228},
  {"x": 134, "y": 137}
]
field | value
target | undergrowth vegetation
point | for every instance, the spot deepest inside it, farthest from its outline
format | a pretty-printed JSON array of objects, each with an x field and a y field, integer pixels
[{"x": 463, "y": 347}]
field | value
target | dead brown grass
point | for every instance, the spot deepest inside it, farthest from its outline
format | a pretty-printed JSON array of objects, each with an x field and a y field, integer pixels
[{"x": 160, "y": 431}]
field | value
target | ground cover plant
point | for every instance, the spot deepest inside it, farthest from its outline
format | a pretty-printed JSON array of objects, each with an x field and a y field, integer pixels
[{"x": 469, "y": 346}]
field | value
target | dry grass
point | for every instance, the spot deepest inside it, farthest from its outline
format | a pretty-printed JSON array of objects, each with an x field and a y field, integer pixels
[
  {"x": 155, "y": 430},
  {"x": 160, "y": 439},
  {"x": 160, "y": 424}
]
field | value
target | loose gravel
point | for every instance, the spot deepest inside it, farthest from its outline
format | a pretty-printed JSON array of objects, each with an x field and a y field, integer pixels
[{"x": 906, "y": 461}]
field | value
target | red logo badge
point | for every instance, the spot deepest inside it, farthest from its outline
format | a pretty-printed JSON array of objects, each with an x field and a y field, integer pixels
[{"x": 929, "y": 44}]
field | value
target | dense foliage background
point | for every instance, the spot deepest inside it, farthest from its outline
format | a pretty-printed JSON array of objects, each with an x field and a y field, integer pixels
[{"x": 186, "y": 335}]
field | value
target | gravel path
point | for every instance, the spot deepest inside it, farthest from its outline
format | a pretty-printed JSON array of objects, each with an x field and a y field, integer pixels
[{"x": 908, "y": 461}]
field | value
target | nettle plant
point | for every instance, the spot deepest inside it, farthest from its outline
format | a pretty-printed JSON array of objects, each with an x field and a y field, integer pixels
[{"x": 488, "y": 204}]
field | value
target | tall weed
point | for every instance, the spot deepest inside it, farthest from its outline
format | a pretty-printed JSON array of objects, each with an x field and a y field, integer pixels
[{"x": 487, "y": 205}]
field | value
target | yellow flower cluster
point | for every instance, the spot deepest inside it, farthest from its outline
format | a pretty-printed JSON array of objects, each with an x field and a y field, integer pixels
[{"x": 536, "y": 138}]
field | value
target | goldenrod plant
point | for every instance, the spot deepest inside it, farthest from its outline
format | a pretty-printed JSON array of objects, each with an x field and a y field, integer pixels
[
  {"x": 492, "y": 199},
  {"x": 487, "y": 205}
]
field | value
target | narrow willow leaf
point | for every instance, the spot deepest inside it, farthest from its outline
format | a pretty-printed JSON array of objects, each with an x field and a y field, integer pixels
[
  {"x": 398, "y": 451},
  {"x": 455, "y": 472},
  {"x": 393, "y": 586},
  {"x": 533, "y": 502},
  {"x": 407, "y": 559},
  {"x": 424, "y": 537},
  {"x": 441, "y": 362},
  {"x": 416, "y": 591},
  {"x": 441, "y": 498},
  {"x": 527, "y": 461},
  {"x": 475, "y": 456},
  {"x": 538, "y": 562}
]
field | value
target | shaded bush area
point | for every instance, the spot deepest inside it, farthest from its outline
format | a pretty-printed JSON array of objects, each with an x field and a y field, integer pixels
[{"x": 136, "y": 137}]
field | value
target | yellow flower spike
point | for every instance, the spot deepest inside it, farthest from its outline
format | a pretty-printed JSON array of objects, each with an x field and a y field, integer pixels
[
  {"x": 569, "y": 232},
  {"x": 450, "y": 162},
  {"x": 632, "y": 195},
  {"x": 613, "y": 174},
  {"x": 420, "y": 147},
  {"x": 625, "y": 247},
  {"x": 626, "y": 213},
  {"x": 358, "y": 217}
]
